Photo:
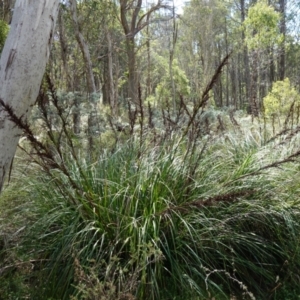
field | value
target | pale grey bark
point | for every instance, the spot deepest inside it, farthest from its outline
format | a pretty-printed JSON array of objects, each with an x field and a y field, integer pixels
[{"x": 22, "y": 65}]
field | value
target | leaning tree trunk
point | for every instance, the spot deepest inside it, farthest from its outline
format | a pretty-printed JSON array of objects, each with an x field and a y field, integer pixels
[{"x": 22, "y": 65}]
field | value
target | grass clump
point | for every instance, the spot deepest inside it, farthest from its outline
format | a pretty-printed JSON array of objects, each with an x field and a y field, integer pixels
[
  {"x": 156, "y": 221},
  {"x": 199, "y": 210}
]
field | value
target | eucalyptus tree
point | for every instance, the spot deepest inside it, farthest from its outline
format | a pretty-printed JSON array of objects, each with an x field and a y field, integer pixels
[
  {"x": 135, "y": 17},
  {"x": 91, "y": 87},
  {"x": 262, "y": 32},
  {"x": 203, "y": 38},
  {"x": 22, "y": 65},
  {"x": 84, "y": 48}
]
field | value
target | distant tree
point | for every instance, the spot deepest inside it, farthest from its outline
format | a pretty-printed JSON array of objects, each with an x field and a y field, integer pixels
[
  {"x": 133, "y": 20},
  {"x": 6, "y": 9},
  {"x": 203, "y": 38},
  {"x": 261, "y": 33},
  {"x": 281, "y": 63}
]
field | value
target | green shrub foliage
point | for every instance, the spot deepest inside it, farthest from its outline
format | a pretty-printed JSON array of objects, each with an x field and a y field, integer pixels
[
  {"x": 261, "y": 26},
  {"x": 281, "y": 99},
  {"x": 3, "y": 33}
]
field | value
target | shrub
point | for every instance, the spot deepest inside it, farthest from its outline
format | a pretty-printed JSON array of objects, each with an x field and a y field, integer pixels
[
  {"x": 155, "y": 223},
  {"x": 3, "y": 33},
  {"x": 281, "y": 98}
]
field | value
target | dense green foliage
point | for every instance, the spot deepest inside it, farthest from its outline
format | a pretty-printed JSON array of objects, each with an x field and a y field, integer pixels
[
  {"x": 281, "y": 99},
  {"x": 156, "y": 220},
  {"x": 178, "y": 194},
  {"x": 3, "y": 33},
  {"x": 261, "y": 26}
]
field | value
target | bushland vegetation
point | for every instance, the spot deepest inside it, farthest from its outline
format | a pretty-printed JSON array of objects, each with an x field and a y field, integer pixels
[
  {"x": 161, "y": 159},
  {"x": 202, "y": 204}
]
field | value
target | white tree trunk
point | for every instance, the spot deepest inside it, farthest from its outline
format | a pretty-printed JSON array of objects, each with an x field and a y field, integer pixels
[{"x": 22, "y": 66}]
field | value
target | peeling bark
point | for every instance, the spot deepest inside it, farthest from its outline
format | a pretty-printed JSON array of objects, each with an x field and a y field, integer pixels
[{"x": 22, "y": 65}]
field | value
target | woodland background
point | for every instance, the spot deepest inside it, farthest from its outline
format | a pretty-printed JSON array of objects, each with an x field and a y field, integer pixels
[{"x": 161, "y": 157}]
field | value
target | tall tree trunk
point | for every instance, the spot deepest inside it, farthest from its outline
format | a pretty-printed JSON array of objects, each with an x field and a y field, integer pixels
[
  {"x": 148, "y": 81},
  {"x": 22, "y": 65},
  {"x": 130, "y": 31},
  {"x": 281, "y": 63},
  {"x": 272, "y": 66},
  {"x": 132, "y": 24},
  {"x": 84, "y": 49},
  {"x": 132, "y": 78},
  {"x": 76, "y": 113},
  {"x": 239, "y": 82},
  {"x": 92, "y": 120},
  {"x": 172, "y": 50},
  {"x": 246, "y": 76},
  {"x": 112, "y": 96},
  {"x": 64, "y": 50},
  {"x": 233, "y": 84},
  {"x": 219, "y": 80},
  {"x": 254, "y": 81},
  {"x": 227, "y": 67}
]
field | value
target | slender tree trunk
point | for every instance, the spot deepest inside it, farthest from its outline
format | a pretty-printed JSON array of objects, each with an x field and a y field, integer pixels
[
  {"x": 131, "y": 27},
  {"x": 22, "y": 65},
  {"x": 92, "y": 120},
  {"x": 84, "y": 49},
  {"x": 272, "y": 66},
  {"x": 220, "y": 78},
  {"x": 64, "y": 51},
  {"x": 233, "y": 85},
  {"x": 130, "y": 32},
  {"x": 227, "y": 67},
  {"x": 76, "y": 113},
  {"x": 148, "y": 82},
  {"x": 132, "y": 78},
  {"x": 105, "y": 85},
  {"x": 112, "y": 97},
  {"x": 172, "y": 50},
  {"x": 246, "y": 76},
  {"x": 254, "y": 82},
  {"x": 281, "y": 63},
  {"x": 239, "y": 81}
]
